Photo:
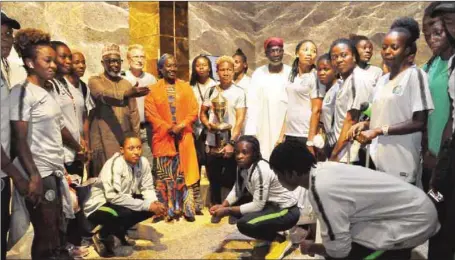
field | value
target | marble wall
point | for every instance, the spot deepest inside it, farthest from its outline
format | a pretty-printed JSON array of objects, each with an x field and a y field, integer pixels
[
  {"x": 84, "y": 26},
  {"x": 219, "y": 28}
]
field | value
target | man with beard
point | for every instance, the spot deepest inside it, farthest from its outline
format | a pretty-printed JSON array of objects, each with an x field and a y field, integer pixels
[
  {"x": 139, "y": 78},
  {"x": 116, "y": 110},
  {"x": 268, "y": 84}
]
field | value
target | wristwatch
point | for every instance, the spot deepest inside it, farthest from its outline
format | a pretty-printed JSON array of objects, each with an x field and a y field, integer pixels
[
  {"x": 309, "y": 143},
  {"x": 385, "y": 130},
  {"x": 232, "y": 142}
]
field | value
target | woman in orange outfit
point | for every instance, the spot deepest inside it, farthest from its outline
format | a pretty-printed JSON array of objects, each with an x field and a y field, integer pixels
[{"x": 171, "y": 108}]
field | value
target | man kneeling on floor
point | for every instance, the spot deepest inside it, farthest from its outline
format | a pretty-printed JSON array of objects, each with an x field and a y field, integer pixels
[
  {"x": 123, "y": 197},
  {"x": 364, "y": 214},
  {"x": 273, "y": 208}
]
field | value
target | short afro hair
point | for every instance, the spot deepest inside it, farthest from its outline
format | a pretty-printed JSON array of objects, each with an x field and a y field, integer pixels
[
  {"x": 224, "y": 58},
  {"x": 292, "y": 156}
]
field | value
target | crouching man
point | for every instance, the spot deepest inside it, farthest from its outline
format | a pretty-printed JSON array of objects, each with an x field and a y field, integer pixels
[
  {"x": 364, "y": 214},
  {"x": 123, "y": 197},
  {"x": 273, "y": 208}
]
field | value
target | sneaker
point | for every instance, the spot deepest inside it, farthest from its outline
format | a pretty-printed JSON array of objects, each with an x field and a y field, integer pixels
[
  {"x": 232, "y": 220},
  {"x": 123, "y": 251},
  {"x": 278, "y": 250},
  {"x": 260, "y": 250},
  {"x": 127, "y": 241},
  {"x": 78, "y": 251},
  {"x": 190, "y": 218},
  {"x": 86, "y": 241},
  {"x": 103, "y": 247}
]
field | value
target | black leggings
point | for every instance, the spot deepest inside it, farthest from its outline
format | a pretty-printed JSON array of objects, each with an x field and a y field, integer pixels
[
  {"x": 47, "y": 220},
  {"x": 221, "y": 173},
  {"x": 116, "y": 220},
  {"x": 6, "y": 198},
  {"x": 266, "y": 224}
]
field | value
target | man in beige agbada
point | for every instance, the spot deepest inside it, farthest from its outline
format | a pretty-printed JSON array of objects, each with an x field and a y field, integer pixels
[{"x": 116, "y": 112}]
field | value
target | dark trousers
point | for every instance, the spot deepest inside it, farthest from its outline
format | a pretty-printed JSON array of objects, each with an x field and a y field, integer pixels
[
  {"x": 266, "y": 224},
  {"x": 116, "y": 220},
  {"x": 77, "y": 228},
  {"x": 76, "y": 167},
  {"x": 221, "y": 173},
  {"x": 6, "y": 200},
  {"x": 359, "y": 252},
  {"x": 295, "y": 139},
  {"x": 47, "y": 220},
  {"x": 441, "y": 246}
]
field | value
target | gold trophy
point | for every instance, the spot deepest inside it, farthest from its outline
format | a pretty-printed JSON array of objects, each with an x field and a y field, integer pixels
[{"x": 222, "y": 129}]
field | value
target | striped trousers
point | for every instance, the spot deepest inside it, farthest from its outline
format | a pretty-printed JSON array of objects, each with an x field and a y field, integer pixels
[{"x": 266, "y": 224}]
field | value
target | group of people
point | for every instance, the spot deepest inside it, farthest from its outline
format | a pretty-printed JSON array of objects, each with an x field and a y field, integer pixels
[{"x": 280, "y": 140}]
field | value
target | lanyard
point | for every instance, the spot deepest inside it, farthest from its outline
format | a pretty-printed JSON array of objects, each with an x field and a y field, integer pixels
[{"x": 68, "y": 92}]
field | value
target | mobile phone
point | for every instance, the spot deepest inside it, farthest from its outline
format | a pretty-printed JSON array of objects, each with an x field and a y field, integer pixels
[{"x": 437, "y": 196}]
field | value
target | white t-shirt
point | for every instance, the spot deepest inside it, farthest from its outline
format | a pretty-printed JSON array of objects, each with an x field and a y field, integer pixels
[
  {"x": 376, "y": 72},
  {"x": 357, "y": 205},
  {"x": 394, "y": 102},
  {"x": 145, "y": 80},
  {"x": 199, "y": 92},
  {"x": 328, "y": 106},
  {"x": 298, "y": 99},
  {"x": 72, "y": 105},
  {"x": 452, "y": 90},
  {"x": 236, "y": 99},
  {"x": 89, "y": 103},
  {"x": 5, "y": 125},
  {"x": 245, "y": 84},
  {"x": 45, "y": 122},
  {"x": 268, "y": 108},
  {"x": 350, "y": 97}
]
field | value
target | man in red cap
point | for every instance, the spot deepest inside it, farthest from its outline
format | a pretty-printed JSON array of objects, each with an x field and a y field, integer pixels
[{"x": 268, "y": 83}]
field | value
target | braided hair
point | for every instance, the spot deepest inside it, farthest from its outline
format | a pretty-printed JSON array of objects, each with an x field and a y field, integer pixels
[
  {"x": 295, "y": 64},
  {"x": 347, "y": 42},
  {"x": 257, "y": 156},
  {"x": 292, "y": 156}
]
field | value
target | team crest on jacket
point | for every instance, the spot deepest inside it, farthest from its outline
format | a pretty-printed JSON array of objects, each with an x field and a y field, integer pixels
[{"x": 397, "y": 90}]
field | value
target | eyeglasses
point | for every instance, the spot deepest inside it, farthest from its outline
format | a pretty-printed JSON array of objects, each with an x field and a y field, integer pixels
[{"x": 111, "y": 61}]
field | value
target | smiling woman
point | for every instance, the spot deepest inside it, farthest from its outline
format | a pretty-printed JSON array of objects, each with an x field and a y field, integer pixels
[
  {"x": 37, "y": 125},
  {"x": 171, "y": 108}
]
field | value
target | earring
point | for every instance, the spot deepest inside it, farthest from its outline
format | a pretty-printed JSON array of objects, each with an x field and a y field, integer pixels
[{"x": 30, "y": 65}]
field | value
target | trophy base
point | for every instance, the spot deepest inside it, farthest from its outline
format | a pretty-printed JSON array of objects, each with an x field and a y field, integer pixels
[{"x": 223, "y": 127}]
